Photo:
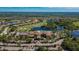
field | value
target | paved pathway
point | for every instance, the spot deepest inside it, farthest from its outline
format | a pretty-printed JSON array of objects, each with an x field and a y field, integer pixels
[
  {"x": 27, "y": 47},
  {"x": 33, "y": 44}
]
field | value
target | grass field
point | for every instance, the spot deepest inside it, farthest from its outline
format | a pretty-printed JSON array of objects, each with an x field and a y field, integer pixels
[
  {"x": 27, "y": 27},
  {"x": 76, "y": 23}
]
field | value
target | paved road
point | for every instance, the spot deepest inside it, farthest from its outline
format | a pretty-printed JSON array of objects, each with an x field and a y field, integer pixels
[
  {"x": 34, "y": 44},
  {"x": 27, "y": 47}
]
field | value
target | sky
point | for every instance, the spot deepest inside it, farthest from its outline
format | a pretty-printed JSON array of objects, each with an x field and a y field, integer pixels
[{"x": 39, "y": 9}]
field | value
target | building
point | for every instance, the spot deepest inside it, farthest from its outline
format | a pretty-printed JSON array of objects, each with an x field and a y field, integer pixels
[
  {"x": 34, "y": 20},
  {"x": 60, "y": 28},
  {"x": 21, "y": 33},
  {"x": 57, "y": 19}
]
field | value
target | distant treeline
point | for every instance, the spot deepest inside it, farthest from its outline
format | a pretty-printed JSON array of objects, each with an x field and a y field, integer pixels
[{"x": 39, "y": 14}]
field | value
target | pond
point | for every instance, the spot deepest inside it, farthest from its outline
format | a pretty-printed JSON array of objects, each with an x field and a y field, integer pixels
[
  {"x": 41, "y": 28},
  {"x": 59, "y": 28},
  {"x": 75, "y": 33}
]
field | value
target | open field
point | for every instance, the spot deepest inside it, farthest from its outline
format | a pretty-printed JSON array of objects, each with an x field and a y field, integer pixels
[
  {"x": 76, "y": 23},
  {"x": 27, "y": 26}
]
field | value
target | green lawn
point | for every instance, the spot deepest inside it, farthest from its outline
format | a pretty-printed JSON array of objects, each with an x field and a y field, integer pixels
[
  {"x": 76, "y": 23},
  {"x": 27, "y": 27}
]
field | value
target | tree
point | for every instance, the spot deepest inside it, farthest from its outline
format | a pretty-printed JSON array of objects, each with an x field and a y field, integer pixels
[
  {"x": 70, "y": 44},
  {"x": 3, "y": 39},
  {"x": 42, "y": 49},
  {"x": 51, "y": 24},
  {"x": 12, "y": 28},
  {"x": 28, "y": 40}
]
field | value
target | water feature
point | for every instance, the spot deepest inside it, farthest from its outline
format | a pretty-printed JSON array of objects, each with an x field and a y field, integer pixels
[
  {"x": 41, "y": 28},
  {"x": 75, "y": 33}
]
